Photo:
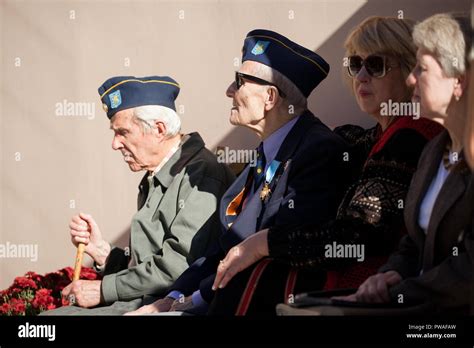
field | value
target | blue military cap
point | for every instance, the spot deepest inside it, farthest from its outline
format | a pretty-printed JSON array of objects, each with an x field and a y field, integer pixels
[
  {"x": 125, "y": 92},
  {"x": 300, "y": 65}
]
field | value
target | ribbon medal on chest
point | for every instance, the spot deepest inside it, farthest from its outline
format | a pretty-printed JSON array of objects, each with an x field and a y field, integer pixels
[{"x": 269, "y": 174}]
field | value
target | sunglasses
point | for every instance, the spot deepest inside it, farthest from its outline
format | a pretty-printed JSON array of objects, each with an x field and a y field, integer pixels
[
  {"x": 375, "y": 65},
  {"x": 239, "y": 81}
]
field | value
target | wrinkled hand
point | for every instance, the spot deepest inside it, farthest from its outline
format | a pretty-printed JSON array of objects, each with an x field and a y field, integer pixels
[
  {"x": 84, "y": 229},
  {"x": 375, "y": 288},
  {"x": 240, "y": 257},
  {"x": 159, "y": 306},
  {"x": 84, "y": 293},
  {"x": 181, "y": 305}
]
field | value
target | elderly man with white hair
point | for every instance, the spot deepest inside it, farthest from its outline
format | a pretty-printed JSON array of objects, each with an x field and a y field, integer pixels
[{"x": 178, "y": 197}]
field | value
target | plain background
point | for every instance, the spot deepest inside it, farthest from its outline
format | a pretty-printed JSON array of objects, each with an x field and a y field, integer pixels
[{"x": 54, "y": 166}]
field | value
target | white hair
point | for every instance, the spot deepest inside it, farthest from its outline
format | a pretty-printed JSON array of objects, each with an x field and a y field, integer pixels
[
  {"x": 447, "y": 37},
  {"x": 294, "y": 97},
  {"x": 147, "y": 115}
]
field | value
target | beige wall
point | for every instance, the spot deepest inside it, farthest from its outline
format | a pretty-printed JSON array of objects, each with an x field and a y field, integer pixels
[{"x": 54, "y": 166}]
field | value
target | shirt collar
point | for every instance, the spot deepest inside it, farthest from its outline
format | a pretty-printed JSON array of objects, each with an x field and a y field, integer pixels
[{"x": 272, "y": 144}]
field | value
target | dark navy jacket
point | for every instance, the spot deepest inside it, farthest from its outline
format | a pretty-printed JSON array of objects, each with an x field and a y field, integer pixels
[{"x": 307, "y": 188}]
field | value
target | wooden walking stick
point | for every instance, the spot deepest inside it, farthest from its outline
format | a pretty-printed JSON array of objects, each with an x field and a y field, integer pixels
[
  {"x": 77, "y": 269},
  {"x": 78, "y": 264}
]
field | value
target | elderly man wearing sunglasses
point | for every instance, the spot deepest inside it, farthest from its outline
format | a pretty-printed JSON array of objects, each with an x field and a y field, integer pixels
[
  {"x": 381, "y": 55},
  {"x": 299, "y": 174}
]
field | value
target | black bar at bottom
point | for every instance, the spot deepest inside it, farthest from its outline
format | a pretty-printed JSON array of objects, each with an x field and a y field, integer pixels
[{"x": 430, "y": 331}]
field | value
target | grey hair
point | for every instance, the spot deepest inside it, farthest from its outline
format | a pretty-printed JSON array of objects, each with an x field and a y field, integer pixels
[
  {"x": 447, "y": 37},
  {"x": 294, "y": 97},
  {"x": 147, "y": 115}
]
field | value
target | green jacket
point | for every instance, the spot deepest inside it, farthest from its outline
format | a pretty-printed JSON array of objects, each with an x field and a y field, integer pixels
[{"x": 176, "y": 222}]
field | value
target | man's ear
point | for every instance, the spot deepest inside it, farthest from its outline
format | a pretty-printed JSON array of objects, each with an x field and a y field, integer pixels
[
  {"x": 160, "y": 129},
  {"x": 272, "y": 97}
]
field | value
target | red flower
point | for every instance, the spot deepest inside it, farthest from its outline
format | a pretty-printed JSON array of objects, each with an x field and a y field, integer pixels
[
  {"x": 17, "y": 306},
  {"x": 86, "y": 273},
  {"x": 34, "y": 276},
  {"x": 34, "y": 293},
  {"x": 56, "y": 281},
  {"x": 89, "y": 273},
  {"x": 23, "y": 283},
  {"x": 43, "y": 299},
  {"x": 5, "y": 308},
  {"x": 38, "y": 279},
  {"x": 68, "y": 271},
  {"x": 13, "y": 292}
]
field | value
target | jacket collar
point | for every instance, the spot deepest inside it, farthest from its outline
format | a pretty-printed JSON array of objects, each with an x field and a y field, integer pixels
[
  {"x": 295, "y": 136},
  {"x": 190, "y": 145}
]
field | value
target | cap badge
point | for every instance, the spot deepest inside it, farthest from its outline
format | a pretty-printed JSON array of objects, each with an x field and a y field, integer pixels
[
  {"x": 115, "y": 99},
  {"x": 260, "y": 47}
]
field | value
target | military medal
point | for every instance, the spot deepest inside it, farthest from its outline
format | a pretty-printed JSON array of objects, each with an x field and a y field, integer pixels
[
  {"x": 265, "y": 192},
  {"x": 269, "y": 174}
]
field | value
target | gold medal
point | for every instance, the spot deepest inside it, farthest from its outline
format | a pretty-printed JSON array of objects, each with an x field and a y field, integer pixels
[{"x": 265, "y": 192}]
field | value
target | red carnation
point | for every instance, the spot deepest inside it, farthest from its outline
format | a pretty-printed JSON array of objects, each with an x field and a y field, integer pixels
[
  {"x": 18, "y": 306},
  {"x": 13, "y": 292},
  {"x": 5, "y": 308},
  {"x": 34, "y": 293},
  {"x": 38, "y": 279},
  {"x": 23, "y": 283},
  {"x": 43, "y": 299},
  {"x": 89, "y": 274},
  {"x": 68, "y": 271}
]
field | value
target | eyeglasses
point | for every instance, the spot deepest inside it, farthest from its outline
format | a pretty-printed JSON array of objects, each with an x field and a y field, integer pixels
[
  {"x": 375, "y": 65},
  {"x": 239, "y": 81}
]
